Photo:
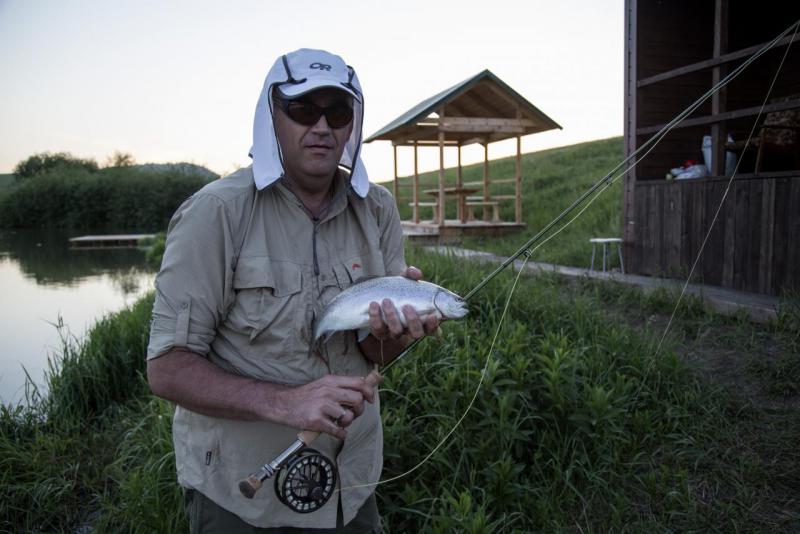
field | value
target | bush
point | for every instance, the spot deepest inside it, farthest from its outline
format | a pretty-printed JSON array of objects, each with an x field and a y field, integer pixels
[{"x": 115, "y": 197}]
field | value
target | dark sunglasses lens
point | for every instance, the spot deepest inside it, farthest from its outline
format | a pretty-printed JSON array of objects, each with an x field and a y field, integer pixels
[
  {"x": 305, "y": 113},
  {"x": 339, "y": 115}
]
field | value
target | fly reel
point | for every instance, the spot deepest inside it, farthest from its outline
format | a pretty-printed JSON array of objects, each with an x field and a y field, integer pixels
[{"x": 306, "y": 482}]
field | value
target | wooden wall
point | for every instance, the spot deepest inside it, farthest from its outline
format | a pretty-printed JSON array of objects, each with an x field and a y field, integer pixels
[{"x": 755, "y": 242}]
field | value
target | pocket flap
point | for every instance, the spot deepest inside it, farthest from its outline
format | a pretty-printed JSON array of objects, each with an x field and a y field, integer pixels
[{"x": 282, "y": 277}]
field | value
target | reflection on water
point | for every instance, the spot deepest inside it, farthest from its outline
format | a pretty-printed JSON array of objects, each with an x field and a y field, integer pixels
[{"x": 43, "y": 281}]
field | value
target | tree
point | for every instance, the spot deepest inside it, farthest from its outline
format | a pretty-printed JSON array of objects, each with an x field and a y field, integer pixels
[
  {"x": 120, "y": 159},
  {"x": 46, "y": 161}
]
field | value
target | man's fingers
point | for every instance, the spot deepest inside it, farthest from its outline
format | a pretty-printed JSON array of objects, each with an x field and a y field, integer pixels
[
  {"x": 415, "y": 273},
  {"x": 431, "y": 324},
  {"x": 392, "y": 318},
  {"x": 413, "y": 322},
  {"x": 376, "y": 323}
]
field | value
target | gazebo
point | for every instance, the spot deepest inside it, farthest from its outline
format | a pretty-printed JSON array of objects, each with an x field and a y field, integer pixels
[{"x": 482, "y": 109}]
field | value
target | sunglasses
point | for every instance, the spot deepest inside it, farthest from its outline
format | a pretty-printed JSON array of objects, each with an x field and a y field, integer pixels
[{"x": 337, "y": 115}]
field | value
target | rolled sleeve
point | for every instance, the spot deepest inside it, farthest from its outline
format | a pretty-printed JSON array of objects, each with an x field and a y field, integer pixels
[{"x": 193, "y": 287}]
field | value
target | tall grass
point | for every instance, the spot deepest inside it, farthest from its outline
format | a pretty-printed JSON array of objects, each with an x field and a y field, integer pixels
[
  {"x": 115, "y": 197},
  {"x": 579, "y": 426}
]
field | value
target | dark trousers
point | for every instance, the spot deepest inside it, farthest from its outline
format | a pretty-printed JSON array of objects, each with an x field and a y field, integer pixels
[{"x": 206, "y": 517}]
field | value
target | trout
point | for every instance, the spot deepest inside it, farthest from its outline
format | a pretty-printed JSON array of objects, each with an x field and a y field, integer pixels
[{"x": 349, "y": 310}]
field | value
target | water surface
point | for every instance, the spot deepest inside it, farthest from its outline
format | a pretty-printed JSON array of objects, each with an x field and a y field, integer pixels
[{"x": 42, "y": 282}]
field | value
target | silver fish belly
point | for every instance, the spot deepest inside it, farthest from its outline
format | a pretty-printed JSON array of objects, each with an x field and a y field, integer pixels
[{"x": 349, "y": 310}]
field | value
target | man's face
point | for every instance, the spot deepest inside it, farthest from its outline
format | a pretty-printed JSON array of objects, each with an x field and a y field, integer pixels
[{"x": 311, "y": 153}]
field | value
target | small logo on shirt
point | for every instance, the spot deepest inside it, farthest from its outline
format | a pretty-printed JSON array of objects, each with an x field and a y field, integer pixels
[{"x": 356, "y": 266}]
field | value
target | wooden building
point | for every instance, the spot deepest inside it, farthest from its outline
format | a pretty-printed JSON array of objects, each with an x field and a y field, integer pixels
[
  {"x": 482, "y": 109},
  {"x": 675, "y": 52}
]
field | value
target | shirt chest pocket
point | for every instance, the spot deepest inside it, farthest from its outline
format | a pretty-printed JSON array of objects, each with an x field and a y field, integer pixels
[{"x": 267, "y": 302}]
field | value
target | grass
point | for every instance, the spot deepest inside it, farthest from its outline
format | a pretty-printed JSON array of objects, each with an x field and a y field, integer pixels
[
  {"x": 552, "y": 179},
  {"x": 580, "y": 424}
]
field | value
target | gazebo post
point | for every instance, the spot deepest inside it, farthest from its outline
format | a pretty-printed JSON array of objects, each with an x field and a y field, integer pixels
[
  {"x": 441, "y": 178},
  {"x": 416, "y": 185},
  {"x": 518, "y": 183},
  {"x": 462, "y": 201},
  {"x": 394, "y": 152},
  {"x": 486, "y": 177}
]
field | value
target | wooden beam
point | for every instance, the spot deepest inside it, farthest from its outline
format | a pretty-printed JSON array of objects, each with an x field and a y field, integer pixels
[
  {"x": 394, "y": 153},
  {"x": 482, "y": 129},
  {"x": 719, "y": 99},
  {"x": 416, "y": 186},
  {"x": 518, "y": 184},
  {"x": 499, "y": 92},
  {"x": 708, "y": 63},
  {"x": 628, "y": 222},
  {"x": 441, "y": 178},
  {"x": 423, "y": 142},
  {"x": 441, "y": 172},
  {"x": 486, "y": 121},
  {"x": 728, "y": 115},
  {"x": 486, "y": 178}
]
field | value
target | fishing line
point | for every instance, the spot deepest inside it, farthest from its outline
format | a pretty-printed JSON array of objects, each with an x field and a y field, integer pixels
[
  {"x": 625, "y": 165},
  {"x": 600, "y": 186}
]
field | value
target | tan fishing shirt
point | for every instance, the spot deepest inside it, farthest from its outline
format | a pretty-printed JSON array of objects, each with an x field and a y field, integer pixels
[{"x": 253, "y": 316}]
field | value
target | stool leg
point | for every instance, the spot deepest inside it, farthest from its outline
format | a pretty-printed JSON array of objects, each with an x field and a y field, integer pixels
[
  {"x": 594, "y": 248},
  {"x": 605, "y": 248},
  {"x": 621, "y": 265}
]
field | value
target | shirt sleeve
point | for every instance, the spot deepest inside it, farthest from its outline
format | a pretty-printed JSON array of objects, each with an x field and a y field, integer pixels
[
  {"x": 193, "y": 287},
  {"x": 394, "y": 257}
]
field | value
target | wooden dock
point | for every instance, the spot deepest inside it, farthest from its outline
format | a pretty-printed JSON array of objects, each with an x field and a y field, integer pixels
[{"x": 108, "y": 241}]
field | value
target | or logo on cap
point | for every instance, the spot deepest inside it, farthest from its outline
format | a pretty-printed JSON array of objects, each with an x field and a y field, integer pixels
[{"x": 319, "y": 66}]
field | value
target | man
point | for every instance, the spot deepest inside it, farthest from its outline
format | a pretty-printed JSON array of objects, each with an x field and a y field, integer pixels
[{"x": 251, "y": 261}]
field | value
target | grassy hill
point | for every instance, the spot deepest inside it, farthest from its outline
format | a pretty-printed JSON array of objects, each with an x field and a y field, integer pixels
[
  {"x": 6, "y": 180},
  {"x": 552, "y": 179}
]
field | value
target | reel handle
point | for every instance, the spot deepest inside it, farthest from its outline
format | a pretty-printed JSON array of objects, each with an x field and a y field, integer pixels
[{"x": 250, "y": 485}]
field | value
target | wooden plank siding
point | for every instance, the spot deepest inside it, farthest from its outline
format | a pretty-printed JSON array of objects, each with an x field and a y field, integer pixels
[
  {"x": 674, "y": 52},
  {"x": 753, "y": 245}
]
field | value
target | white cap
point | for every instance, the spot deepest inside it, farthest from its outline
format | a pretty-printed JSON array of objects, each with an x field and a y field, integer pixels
[{"x": 296, "y": 74}]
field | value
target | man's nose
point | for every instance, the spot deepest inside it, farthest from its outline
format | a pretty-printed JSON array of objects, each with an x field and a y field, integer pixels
[{"x": 321, "y": 125}]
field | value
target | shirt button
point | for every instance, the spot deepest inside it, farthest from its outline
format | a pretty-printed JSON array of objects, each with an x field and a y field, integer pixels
[{"x": 184, "y": 305}]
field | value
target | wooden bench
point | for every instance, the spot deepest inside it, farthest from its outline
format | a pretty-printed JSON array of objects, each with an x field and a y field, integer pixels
[{"x": 471, "y": 204}]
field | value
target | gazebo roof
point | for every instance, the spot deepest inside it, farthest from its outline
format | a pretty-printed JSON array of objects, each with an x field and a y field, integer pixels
[{"x": 481, "y": 109}]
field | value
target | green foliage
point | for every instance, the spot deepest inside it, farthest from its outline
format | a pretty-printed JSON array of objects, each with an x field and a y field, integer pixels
[
  {"x": 115, "y": 197},
  {"x": 47, "y": 161},
  {"x": 579, "y": 425}
]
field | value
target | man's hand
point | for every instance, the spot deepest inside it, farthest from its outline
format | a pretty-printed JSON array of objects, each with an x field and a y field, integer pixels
[
  {"x": 387, "y": 325},
  {"x": 329, "y": 404}
]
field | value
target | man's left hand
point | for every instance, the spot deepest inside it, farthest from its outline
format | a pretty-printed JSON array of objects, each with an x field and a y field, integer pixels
[{"x": 384, "y": 318}]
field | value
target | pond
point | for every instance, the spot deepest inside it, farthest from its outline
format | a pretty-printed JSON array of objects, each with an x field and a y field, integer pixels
[{"x": 44, "y": 283}]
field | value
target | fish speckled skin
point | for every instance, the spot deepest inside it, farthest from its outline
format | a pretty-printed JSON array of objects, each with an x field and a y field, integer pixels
[{"x": 349, "y": 310}]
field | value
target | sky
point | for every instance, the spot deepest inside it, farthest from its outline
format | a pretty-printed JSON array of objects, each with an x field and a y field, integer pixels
[{"x": 170, "y": 80}]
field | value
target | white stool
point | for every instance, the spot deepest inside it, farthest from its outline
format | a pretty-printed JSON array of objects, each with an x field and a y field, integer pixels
[{"x": 606, "y": 241}]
